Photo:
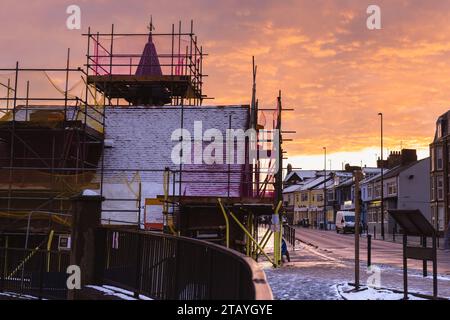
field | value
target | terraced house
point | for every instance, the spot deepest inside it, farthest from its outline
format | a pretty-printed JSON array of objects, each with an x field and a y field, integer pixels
[
  {"x": 309, "y": 203},
  {"x": 439, "y": 173},
  {"x": 405, "y": 186}
]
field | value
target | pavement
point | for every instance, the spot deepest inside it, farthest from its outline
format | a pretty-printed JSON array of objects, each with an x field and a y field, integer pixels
[
  {"x": 324, "y": 260},
  {"x": 383, "y": 252}
]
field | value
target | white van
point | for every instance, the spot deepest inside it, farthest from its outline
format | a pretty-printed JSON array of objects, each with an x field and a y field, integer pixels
[{"x": 345, "y": 221}]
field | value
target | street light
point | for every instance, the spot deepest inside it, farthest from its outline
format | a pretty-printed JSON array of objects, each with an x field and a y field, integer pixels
[
  {"x": 382, "y": 176},
  {"x": 325, "y": 189}
]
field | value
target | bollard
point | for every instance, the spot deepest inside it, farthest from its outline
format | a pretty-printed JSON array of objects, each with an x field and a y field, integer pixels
[
  {"x": 437, "y": 234},
  {"x": 369, "y": 250},
  {"x": 42, "y": 259},
  {"x": 294, "y": 238},
  {"x": 424, "y": 245}
]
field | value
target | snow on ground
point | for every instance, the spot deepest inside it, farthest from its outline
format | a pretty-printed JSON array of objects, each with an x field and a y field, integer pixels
[
  {"x": 90, "y": 193},
  {"x": 313, "y": 274},
  {"x": 412, "y": 273},
  {"x": 292, "y": 284},
  {"x": 15, "y": 296},
  {"x": 118, "y": 292},
  {"x": 348, "y": 292},
  {"x": 141, "y": 296}
]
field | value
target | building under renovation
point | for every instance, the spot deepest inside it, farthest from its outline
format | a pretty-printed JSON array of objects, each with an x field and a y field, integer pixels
[{"x": 116, "y": 128}]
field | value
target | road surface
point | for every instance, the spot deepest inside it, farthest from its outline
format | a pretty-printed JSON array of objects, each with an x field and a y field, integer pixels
[
  {"x": 383, "y": 252},
  {"x": 323, "y": 260}
]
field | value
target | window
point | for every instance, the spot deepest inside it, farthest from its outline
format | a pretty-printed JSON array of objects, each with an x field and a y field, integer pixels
[
  {"x": 349, "y": 218},
  {"x": 433, "y": 214},
  {"x": 377, "y": 191},
  {"x": 439, "y": 129},
  {"x": 330, "y": 195},
  {"x": 448, "y": 152},
  {"x": 319, "y": 197},
  {"x": 304, "y": 197},
  {"x": 369, "y": 191},
  {"x": 433, "y": 158},
  {"x": 372, "y": 214},
  {"x": 392, "y": 188},
  {"x": 439, "y": 158},
  {"x": 440, "y": 219},
  {"x": 440, "y": 187},
  {"x": 433, "y": 188}
]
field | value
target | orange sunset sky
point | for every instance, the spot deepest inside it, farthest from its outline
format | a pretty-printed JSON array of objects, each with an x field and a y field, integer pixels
[{"x": 332, "y": 70}]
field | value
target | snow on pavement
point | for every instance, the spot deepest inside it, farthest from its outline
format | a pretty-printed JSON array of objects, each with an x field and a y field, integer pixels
[
  {"x": 313, "y": 274},
  {"x": 118, "y": 292},
  {"x": 368, "y": 293}
]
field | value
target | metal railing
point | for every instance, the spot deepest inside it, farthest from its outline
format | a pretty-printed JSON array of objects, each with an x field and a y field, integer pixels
[
  {"x": 165, "y": 267},
  {"x": 35, "y": 272},
  {"x": 396, "y": 235},
  {"x": 289, "y": 234}
]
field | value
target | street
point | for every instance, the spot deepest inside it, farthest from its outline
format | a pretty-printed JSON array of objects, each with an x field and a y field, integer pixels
[
  {"x": 342, "y": 246},
  {"x": 322, "y": 260}
]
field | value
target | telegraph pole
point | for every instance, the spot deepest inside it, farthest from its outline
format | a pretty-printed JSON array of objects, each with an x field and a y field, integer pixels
[
  {"x": 325, "y": 189},
  {"x": 382, "y": 178},
  {"x": 357, "y": 176}
]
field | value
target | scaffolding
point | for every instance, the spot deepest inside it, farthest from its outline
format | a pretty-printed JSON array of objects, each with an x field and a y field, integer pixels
[
  {"x": 52, "y": 140},
  {"x": 50, "y": 136},
  {"x": 168, "y": 71}
]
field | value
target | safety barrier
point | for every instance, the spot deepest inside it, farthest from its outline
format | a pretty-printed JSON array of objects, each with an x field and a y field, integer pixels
[
  {"x": 35, "y": 272},
  {"x": 163, "y": 266}
]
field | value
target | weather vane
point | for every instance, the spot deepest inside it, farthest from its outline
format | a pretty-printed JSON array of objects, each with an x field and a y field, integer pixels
[{"x": 151, "y": 27}]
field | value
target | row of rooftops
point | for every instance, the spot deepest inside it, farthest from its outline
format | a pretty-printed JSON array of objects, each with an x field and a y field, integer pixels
[
  {"x": 332, "y": 179},
  {"x": 301, "y": 180}
]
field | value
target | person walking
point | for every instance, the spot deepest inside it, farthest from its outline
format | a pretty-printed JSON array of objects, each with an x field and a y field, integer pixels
[{"x": 284, "y": 251}]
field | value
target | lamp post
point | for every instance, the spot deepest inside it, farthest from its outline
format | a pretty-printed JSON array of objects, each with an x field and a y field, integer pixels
[
  {"x": 382, "y": 176},
  {"x": 325, "y": 189}
]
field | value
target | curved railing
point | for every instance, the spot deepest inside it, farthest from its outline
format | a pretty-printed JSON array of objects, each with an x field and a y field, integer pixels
[{"x": 163, "y": 266}]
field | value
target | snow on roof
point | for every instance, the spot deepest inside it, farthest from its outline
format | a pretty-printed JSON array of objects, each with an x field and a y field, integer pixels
[
  {"x": 293, "y": 188},
  {"x": 147, "y": 132},
  {"x": 302, "y": 174},
  {"x": 375, "y": 177},
  {"x": 316, "y": 183},
  {"x": 343, "y": 174},
  {"x": 371, "y": 170},
  {"x": 328, "y": 184},
  {"x": 347, "y": 182}
]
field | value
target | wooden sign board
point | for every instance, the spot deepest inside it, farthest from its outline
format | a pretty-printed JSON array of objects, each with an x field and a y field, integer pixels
[{"x": 153, "y": 215}]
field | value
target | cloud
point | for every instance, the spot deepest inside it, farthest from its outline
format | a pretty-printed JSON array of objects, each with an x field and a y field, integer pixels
[{"x": 335, "y": 73}]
